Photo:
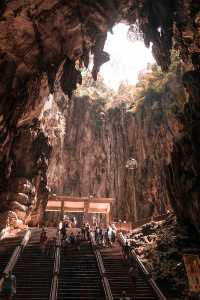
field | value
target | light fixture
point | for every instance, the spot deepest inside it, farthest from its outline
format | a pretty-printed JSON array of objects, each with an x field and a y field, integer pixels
[{"x": 131, "y": 164}]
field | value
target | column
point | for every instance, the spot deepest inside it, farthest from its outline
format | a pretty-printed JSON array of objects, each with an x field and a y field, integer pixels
[
  {"x": 108, "y": 216},
  {"x": 86, "y": 208},
  {"x": 62, "y": 210}
]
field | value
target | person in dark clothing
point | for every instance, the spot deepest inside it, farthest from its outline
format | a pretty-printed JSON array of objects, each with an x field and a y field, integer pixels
[
  {"x": 113, "y": 237},
  {"x": 63, "y": 231},
  {"x": 132, "y": 275},
  {"x": 83, "y": 231},
  {"x": 43, "y": 240},
  {"x": 126, "y": 251},
  {"x": 72, "y": 238},
  {"x": 87, "y": 229},
  {"x": 78, "y": 241},
  {"x": 97, "y": 235},
  {"x": 124, "y": 296},
  {"x": 101, "y": 236},
  {"x": 50, "y": 247},
  {"x": 9, "y": 286},
  {"x": 107, "y": 238}
]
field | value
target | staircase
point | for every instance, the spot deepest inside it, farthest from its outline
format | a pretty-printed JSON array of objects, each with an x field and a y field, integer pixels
[
  {"x": 79, "y": 275},
  {"x": 117, "y": 274},
  {"x": 7, "y": 246},
  {"x": 33, "y": 271}
]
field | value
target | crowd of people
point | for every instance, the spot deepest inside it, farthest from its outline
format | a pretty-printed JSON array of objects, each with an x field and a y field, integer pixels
[
  {"x": 105, "y": 237},
  {"x": 72, "y": 237}
]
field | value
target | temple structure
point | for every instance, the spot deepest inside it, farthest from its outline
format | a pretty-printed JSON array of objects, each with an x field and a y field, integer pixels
[{"x": 85, "y": 205}]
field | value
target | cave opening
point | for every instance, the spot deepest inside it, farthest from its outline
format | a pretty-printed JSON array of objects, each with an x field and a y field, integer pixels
[
  {"x": 102, "y": 133},
  {"x": 128, "y": 57}
]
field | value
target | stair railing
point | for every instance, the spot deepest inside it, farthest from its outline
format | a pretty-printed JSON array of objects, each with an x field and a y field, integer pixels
[
  {"x": 104, "y": 279},
  {"x": 15, "y": 255},
  {"x": 3, "y": 232},
  {"x": 146, "y": 273},
  {"x": 56, "y": 269}
]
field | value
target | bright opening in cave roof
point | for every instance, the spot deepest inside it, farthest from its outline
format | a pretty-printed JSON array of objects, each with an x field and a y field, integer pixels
[{"x": 127, "y": 58}]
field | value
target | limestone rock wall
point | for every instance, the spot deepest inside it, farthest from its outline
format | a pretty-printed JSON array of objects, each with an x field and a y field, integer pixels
[
  {"x": 183, "y": 171},
  {"x": 96, "y": 141},
  {"x": 25, "y": 154}
]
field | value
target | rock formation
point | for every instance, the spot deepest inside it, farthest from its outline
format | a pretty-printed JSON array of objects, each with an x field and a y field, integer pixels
[
  {"x": 50, "y": 40},
  {"x": 161, "y": 246},
  {"x": 101, "y": 130}
]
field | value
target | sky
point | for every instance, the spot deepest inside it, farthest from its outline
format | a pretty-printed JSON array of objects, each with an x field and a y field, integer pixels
[{"x": 127, "y": 58}]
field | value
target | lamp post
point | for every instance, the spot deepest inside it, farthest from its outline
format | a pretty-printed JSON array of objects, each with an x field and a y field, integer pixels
[{"x": 132, "y": 165}]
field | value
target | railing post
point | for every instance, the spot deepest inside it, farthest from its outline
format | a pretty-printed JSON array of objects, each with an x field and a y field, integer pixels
[
  {"x": 15, "y": 255},
  {"x": 146, "y": 273},
  {"x": 104, "y": 279}
]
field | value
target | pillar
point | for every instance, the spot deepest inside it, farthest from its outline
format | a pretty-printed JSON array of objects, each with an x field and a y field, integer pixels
[
  {"x": 86, "y": 208},
  {"x": 107, "y": 219},
  {"x": 108, "y": 216},
  {"x": 62, "y": 210}
]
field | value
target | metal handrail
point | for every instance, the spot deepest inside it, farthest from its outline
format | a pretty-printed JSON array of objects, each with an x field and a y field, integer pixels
[
  {"x": 56, "y": 269},
  {"x": 146, "y": 273},
  {"x": 3, "y": 232},
  {"x": 15, "y": 255},
  {"x": 140, "y": 264},
  {"x": 104, "y": 279}
]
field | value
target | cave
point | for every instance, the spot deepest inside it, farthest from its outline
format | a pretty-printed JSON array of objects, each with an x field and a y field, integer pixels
[{"x": 65, "y": 133}]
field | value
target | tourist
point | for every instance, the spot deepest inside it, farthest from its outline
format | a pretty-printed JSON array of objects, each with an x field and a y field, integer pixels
[
  {"x": 87, "y": 229},
  {"x": 83, "y": 231},
  {"x": 101, "y": 236},
  {"x": 72, "y": 238},
  {"x": 78, "y": 241},
  {"x": 63, "y": 231},
  {"x": 96, "y": 234},
  {"x": 107, "y": 238},
  {"x": 126, "y": 251},
  {"x": 50, "y": 247},
  {"x": 43, "y": 240},
  {"x": 9, "y": 286},
  {"x": 132, "y": 275},
  {"x": 65, "y": 244},
  {"x": 110, "y": 236},
  {"x": 124, "y": 296},
  {"x": 113, "y": 236}
]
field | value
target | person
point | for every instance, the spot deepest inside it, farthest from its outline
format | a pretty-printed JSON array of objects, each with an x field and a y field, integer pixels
[
  {"x": 126, "y": 251},
  {"x": 63, "y": 231},
  {"x": 78, "y": 241},
  {"x": 9, "y": 286},
  {"x": 83, "y": 231},
  {"x": 124, "y": 296},
  {"x": 101, "y": 236},
  {"x": 50, "y": 247},
  {"x": 65, "y": 244},
  {"x": 107, "y": 238},
  {"x": 87, "y": 229},
  {"x": 72, "y": 238},
  {"x": 43, "y": 240},
  {"x": 132, "y": 275},
  {"x": 97, "y": 235},
  {"x": 113, "y": 237}
]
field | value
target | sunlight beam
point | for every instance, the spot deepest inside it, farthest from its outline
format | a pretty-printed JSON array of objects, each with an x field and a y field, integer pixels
[{"x": 127, "y": 58}]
